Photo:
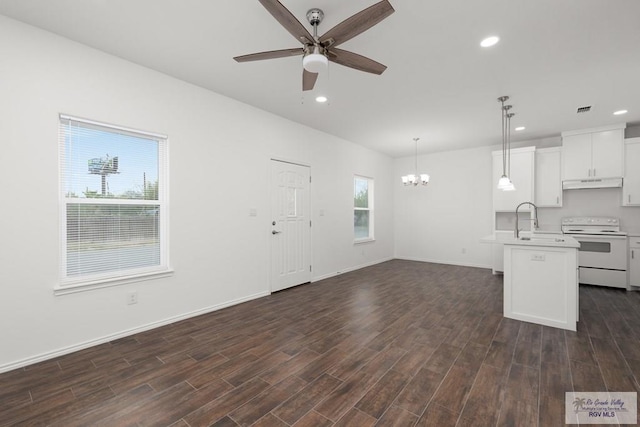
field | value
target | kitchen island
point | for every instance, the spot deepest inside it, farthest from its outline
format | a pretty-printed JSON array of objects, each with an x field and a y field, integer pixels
[{"x": 541, "y": 280}]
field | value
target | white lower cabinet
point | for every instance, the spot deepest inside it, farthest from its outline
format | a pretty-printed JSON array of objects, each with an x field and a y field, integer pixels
[
  {"x": 541, "y": 285},
  {"x": 498, "y": 250},
  {"x": 634, "y": 260}
]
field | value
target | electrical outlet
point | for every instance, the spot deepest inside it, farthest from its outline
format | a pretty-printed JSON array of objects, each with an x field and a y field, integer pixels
[
  {"x": 132, "y": 298},
  {"x": 537, "y": 257}
]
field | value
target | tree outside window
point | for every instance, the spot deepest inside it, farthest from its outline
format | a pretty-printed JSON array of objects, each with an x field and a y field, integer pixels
[
  {"x": 363, "y": 208},
  {"x": 114, "y": 202}
]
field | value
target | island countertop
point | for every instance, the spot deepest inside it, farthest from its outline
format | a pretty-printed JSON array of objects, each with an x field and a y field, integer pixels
[{"x": 535, "y": 239}]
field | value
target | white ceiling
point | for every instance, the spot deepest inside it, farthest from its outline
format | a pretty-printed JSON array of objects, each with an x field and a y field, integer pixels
[{"x": 554, "y": 56}]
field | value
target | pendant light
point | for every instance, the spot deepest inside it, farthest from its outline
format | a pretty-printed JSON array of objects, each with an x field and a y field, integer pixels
[
  {"x": 415, "y": 178},
  {"x": 504, "y": 183}
]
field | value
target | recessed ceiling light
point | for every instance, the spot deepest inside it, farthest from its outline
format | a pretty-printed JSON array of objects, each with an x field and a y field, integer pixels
[
  {"x": 321, "y": 98},
  {"x": 519, "y": 128},
  {"x": 620, "y": 112},
  {"x": 489, "y": 41}
]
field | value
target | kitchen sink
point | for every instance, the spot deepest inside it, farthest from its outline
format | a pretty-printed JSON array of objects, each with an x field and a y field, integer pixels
[{"x": 542, "y": 239}]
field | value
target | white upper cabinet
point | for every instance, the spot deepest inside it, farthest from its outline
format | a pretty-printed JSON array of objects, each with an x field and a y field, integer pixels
[
  {"x": 548, "y": 179},
  {"x": 631, "y": 181},
  {"x": 522, "y": 177},
  {"x": 593, "y": 153},
  {"x": 576, "y": 150}
]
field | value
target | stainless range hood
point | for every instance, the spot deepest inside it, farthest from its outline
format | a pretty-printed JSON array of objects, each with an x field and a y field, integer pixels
[{"x": 579, "y": 184}]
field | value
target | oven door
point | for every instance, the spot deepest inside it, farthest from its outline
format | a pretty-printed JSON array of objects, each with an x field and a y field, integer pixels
[{"x": 598, "y": 251}]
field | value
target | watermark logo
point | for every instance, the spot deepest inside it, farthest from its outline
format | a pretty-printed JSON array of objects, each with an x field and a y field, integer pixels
[{"x": 601, "y": 408}]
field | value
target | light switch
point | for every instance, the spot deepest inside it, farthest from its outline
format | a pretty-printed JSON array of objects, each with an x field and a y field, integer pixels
[{"x": 253, "y": 212}]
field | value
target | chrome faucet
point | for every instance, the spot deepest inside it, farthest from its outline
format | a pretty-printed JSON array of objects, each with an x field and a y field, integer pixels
[{"x": 534, "y": 219}]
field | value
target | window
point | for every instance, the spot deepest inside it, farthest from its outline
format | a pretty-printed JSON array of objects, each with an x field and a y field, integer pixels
[
  {"x": 113, "y": 203},
  {"x": 363, "y": 208}
]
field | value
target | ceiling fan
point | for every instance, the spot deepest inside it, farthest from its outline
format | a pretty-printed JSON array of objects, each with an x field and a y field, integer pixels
[{"x": 316, "y": 50}]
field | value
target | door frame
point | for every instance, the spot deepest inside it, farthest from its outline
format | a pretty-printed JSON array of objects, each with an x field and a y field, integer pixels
[{"x": 271, "y": 195}]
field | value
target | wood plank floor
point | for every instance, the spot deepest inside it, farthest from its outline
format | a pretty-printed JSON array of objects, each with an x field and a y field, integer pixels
[{"x": 397, "y": 344}]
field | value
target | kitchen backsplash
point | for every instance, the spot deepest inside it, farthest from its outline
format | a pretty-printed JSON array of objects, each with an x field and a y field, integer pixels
[{"x": 589, "y": 202}]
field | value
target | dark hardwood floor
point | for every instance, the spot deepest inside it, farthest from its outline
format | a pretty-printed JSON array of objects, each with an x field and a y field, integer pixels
[{"x": 397, "y": 344}]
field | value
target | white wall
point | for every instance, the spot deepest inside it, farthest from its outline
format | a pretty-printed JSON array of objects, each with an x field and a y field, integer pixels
[
  {"x": 220, "y": 254},
  {"x": 588, "y": 202},
  {"x": 592, "y": 202},
  {"x": 444, "y": 221}
]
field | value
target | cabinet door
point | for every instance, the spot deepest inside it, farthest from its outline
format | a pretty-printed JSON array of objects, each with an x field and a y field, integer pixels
[
  {"x": 548, "y": 180},
  {"x": 631, "y": 182},
  {"x": 634, "y": 266},
  {"x": 606, "y": 150},
  {"x": 576, "y": 156},
  {"x": 522, "y": 176}
]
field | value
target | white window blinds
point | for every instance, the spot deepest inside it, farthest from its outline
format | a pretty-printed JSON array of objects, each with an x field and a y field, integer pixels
[{"x": 114, "y": 201}]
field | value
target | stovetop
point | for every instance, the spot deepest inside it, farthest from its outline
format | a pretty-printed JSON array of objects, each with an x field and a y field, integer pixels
[{"x": 592, "y": 225}]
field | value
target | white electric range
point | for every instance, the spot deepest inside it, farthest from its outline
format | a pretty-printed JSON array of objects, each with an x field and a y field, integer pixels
[{"x": 602, "y": 256}]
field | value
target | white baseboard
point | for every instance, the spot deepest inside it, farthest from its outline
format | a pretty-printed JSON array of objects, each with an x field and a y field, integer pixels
[
  {"x": 435, "y": 261},
  {"x": 348, "y": 269},
  {"x": 81, "y": 346}
]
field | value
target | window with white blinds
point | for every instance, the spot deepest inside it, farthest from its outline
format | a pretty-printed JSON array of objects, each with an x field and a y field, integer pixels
[{"x": 113, "y": 184}]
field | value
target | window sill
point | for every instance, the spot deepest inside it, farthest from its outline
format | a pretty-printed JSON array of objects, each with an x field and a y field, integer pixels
[
  {"x": 107, "y": 283},
  {"x": 363, "y": 241}
]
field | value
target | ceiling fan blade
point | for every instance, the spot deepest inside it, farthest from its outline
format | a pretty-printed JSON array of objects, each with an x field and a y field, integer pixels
[
  {"x": 356, "y": 24},
  {"x": 308, "y": 79},
  {"x": 353, "y": 60},
  {"x": 287, "y": 20},
  {"x": 271, "y": 54}
]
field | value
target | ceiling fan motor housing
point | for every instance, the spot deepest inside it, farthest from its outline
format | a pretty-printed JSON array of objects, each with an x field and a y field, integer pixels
[{"x": 315, "y": 16}]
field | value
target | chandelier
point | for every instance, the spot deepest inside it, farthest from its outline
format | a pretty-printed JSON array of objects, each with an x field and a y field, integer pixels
[
  {"x": 415, "y": 178},
  {"x": 504, "y": 183}
]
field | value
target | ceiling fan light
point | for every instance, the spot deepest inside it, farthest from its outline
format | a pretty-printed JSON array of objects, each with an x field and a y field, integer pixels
[{"x": 315, "y": 62}]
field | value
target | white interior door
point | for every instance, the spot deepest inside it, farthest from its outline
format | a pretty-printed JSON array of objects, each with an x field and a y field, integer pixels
[{"x": 290, "y": 225}]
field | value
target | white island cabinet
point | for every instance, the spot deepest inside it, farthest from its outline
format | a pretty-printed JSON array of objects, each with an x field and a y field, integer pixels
[{"x": 541, "y": 281}]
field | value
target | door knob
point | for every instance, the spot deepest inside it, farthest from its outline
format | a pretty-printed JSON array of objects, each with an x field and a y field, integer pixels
[{"x": 275, "y": 232}]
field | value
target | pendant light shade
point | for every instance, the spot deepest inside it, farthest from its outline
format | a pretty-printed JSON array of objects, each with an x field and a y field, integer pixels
[{"x": 504, "y": 182}]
